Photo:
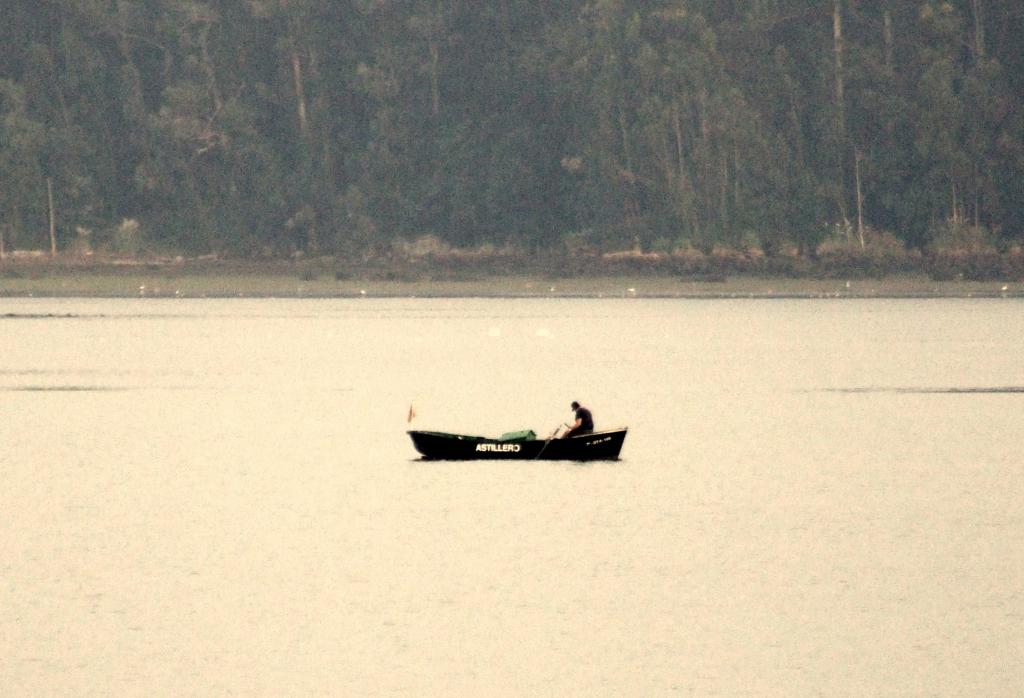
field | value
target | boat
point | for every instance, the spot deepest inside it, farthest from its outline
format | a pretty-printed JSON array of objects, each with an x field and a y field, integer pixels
[{"x": 523, "y": 445}]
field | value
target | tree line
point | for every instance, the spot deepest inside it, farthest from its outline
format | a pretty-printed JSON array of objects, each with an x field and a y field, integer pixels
[{"x": 266, "y": 127}]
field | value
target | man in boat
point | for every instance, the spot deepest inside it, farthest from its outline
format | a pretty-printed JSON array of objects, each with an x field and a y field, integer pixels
[{"x": 584, "y": 421}]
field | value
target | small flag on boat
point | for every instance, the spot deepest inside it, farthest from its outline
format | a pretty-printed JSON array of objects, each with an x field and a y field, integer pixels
[{"x": 412, "y": 414}]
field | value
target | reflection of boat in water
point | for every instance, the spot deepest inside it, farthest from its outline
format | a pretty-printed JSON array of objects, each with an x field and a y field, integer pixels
[{"x": 598, "y": 445}]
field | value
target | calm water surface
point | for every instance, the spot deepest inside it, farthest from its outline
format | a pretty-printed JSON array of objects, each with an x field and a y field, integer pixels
[{"x": 218, "y": 497}]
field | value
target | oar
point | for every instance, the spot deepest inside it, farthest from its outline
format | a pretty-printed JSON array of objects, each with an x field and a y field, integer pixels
[{"x": 550, "y": 439}]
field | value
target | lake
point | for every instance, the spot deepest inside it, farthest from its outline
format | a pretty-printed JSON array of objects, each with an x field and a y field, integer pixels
[{"x": 816, "y": 497}]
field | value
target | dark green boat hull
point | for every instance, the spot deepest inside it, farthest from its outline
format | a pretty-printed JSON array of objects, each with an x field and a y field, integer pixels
[{"x": 600, "y": 445}]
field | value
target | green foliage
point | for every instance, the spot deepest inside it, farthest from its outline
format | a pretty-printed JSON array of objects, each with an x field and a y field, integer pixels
[
  {"x": 22, "y": 143},
  {"x": 269, "y": 127},
  {"x": 126, "y": 238}
]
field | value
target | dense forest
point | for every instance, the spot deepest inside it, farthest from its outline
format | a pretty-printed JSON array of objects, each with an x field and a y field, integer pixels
[{"x": 268, "y": 127}]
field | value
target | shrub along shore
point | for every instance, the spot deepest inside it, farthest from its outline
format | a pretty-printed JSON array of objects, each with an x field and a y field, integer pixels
[{"x": 626, "y": 274}]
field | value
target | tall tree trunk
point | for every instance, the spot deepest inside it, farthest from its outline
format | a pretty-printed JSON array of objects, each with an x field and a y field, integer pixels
[
  {"x": 681, "y": 165},
  {"x": 53, "y": 217},
  {"x": 632, "y": 209},
  {"x": 837, "y": 44},
  {"x": 736, "y": 178},
  {"x": 840, "y": 98},
  {"x": 979, "y": 30},
  {"x": 888, "y": 38},
  {"x": 435, "y": 90},
  {"x": 860, "y": 197},
  {"x": 705, "y": 168},
  {"x": 685, "y": 187},
  {"x": 977, "y": 199},
  {"x": 794, "y": 117},
  {"x": 660, "y": 143},
  {"x": 300, "y": 94},
  {"x": 15, "y": 228},
  {"x": 677, "y": 129},
  {"x": 724, "y": 213}
]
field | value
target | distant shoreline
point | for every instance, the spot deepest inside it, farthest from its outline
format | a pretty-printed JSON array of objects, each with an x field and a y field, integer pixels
[{"x": 254, "y": 280}]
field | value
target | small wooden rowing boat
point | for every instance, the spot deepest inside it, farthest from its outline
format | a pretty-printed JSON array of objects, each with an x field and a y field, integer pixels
[{"x": 598, "y": 445}]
